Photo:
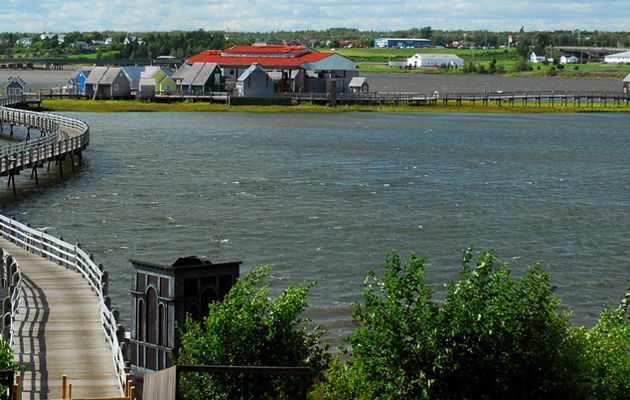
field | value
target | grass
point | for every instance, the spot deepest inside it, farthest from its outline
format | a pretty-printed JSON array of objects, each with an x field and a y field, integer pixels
[
  {"x": 375, "y": 60},
  {"x": 138, "y": 106},
  {"x": 385, "y": 55},
  {"x": 94, "y": 56}
]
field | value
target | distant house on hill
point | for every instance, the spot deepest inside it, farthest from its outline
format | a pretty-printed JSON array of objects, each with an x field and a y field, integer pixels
[
  {"x": 254, "y": 82},
  {"x": 536, "y": 58},
  {"x": 570, "y": 59},
  {"x": 26, "y": 41}
]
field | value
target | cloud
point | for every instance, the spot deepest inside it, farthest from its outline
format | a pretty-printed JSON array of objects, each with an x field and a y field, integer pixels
[{"x": 258, "y": 15}]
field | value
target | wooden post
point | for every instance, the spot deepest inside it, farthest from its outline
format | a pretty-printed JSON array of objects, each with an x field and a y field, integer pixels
[
  {"x": 333, "y": 93},
  {"x": 16, "y": 388},
  {"x": 70, "y": 391},
  {"x": 128, "y": 386},
  {"x": 132, "y": 393},
  {"x": 64, "y": 382}
]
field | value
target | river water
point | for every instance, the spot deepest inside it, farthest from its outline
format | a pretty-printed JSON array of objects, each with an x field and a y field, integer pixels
[
  {"x": 380, "y": 82},
  {"x": 325, "y": 196}
]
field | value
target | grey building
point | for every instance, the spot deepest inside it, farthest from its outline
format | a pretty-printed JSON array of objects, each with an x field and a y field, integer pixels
[
  {"x": 626, "y": 84},
  {"x": 359, "y": 85},
  {"x": 199, "y": 78},
  {"x": 162, "y": 297},
  {"x": 92, "y": 82},
  {"x": 254, "y": 82}
]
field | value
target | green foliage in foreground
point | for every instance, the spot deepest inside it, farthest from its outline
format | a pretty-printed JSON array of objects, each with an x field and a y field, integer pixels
[
  {"x": 250, "y": 328},
  {"x": 492, "y": 337},
  {"x": 7, "y": 362}
]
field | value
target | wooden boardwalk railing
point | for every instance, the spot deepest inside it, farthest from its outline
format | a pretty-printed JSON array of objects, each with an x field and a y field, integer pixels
[
  {"x": 54, "y": 144},
  {"x": 59, "y": 312},
  {"x": 509, "y": 98}
]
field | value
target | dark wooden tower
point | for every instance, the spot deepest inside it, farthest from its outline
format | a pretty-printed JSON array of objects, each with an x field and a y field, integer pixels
[{"x": 162, "y": 295}]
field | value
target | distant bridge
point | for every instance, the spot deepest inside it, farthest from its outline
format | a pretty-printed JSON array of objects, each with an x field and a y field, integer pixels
[
  {"x": 591, "y": 51},
  {"x": 57, "y": 63}
]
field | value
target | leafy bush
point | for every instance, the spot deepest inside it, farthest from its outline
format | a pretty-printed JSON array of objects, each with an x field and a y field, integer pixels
[
  {"x": 607, "y": 351},
  {"x": 7, "y": 362},
  {"x": 492, "y": 337},
  {"x": 522, "y": 65},
  {"x": 250, "y": 328}
]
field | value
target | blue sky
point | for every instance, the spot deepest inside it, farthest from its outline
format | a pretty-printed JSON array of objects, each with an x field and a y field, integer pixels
[{"x": 271, "y": 15}]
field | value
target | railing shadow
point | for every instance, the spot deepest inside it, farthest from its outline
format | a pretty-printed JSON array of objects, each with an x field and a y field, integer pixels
[{"x": 32, "y": 331}]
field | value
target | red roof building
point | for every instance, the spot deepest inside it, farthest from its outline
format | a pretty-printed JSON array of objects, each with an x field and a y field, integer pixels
[{"x": 294, "y": 66}]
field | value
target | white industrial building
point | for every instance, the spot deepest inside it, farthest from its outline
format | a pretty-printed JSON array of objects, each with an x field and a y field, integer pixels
[
  {"x": 619, "y": 58},
  {"x": 435, "y": 60}
]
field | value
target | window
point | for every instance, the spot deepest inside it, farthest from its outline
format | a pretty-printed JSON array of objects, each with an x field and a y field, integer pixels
[{"x": 116, "y": 87}]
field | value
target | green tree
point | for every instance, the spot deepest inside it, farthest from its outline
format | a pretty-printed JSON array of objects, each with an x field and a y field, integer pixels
[
  {"x": 608, "y": 347},
  {"x": 492, "y": 337},
  {"x": 250, "y": 328}
]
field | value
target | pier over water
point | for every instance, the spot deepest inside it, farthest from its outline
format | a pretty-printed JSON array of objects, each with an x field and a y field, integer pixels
[{"x": 57, "y": 318}]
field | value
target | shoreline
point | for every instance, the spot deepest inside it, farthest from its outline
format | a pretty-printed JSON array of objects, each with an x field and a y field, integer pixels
[{"x": 113, "y": 106}]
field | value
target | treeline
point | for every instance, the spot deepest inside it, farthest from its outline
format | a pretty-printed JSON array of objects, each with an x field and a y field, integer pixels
[
  {"x": 177, "y": 44},
  {"x": 182, "y": 44},
  {"x": 490, "y": 336}
]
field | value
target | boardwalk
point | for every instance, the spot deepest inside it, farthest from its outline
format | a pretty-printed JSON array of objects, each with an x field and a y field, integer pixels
[
  {"x": 58, "y": 331},
  {"x": 60, "y": 321}
]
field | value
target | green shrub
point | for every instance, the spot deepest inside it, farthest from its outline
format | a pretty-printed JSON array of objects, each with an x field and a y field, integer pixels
[
  {"x": 250, "y": 328},
  {"x": 607, "y": 351},
  {"x": 491, "y": 337}
]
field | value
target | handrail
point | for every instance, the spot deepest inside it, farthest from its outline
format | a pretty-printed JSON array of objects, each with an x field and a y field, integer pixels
[
  {"x": 74, "y": 258},
  {"x": 52, "y": 144},
  {"x": 43, "y": 244},
  {"x": 12, "y": 280},
  {"x": 495, "y": 95}
]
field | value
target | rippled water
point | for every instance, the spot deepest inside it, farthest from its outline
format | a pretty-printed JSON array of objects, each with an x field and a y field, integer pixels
[{"x": 324, "y": 197}]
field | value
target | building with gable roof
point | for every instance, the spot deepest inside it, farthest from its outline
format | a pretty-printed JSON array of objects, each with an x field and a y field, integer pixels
[
  {"x": 293, "y": 68},
  {"x": 76, "y": 83},
  {"x": 626, "y": 84},
  {"x": 15, "y": 86},
  {"x": 618, "y": 58},
  {"x": 422, "y": 60},
  {"x": 254, "y": 82},
  {"x": 108, "y": 83},
  {"x": 155, "y": 80},
  {"x": 199, "y": 77}
]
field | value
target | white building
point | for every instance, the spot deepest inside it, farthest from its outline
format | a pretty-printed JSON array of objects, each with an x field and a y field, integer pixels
[
  {"x": 537, "y": 59},
  {"x": 435, "y": 60},
  {"x": 571, "y": 59},
  {"x": 619, "y": 58}
]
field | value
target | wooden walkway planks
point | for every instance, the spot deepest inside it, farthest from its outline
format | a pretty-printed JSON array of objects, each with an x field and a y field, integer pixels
[{"x": 58, "y": 331}]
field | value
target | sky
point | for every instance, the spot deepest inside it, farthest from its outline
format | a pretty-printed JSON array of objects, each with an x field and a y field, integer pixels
[{"x": 274, "y": 15}]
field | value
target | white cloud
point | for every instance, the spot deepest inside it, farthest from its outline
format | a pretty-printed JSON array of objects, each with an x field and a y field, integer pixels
[{"x": 258, "y": 15}]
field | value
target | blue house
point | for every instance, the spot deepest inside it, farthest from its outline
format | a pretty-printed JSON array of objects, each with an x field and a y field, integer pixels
[
  {"x": 15, "y": 86},
  {"x": 76, "y": 84}
]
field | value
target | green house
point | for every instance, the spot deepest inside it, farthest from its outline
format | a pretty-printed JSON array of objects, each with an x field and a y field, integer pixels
[{"x": 155, "y": 80}]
